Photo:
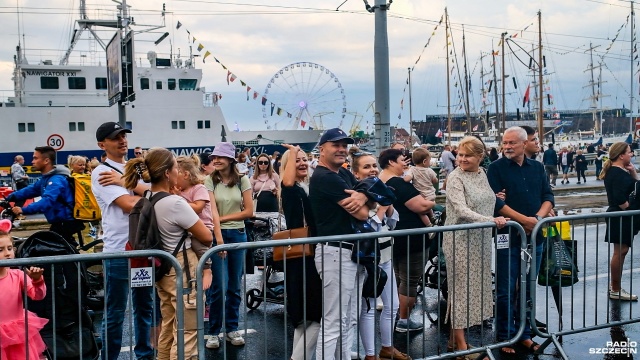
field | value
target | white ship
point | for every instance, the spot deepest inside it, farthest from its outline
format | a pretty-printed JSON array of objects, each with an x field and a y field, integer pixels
[{"x": 61, "y": 105}]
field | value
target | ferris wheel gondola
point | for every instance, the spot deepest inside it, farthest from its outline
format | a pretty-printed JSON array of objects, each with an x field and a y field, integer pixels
[{"x": 304, "y": 95}]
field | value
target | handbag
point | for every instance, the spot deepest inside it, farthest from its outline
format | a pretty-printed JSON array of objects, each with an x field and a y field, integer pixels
[
  {"x": 558, "y": 266},
  {"x": 292, "y": 251}
]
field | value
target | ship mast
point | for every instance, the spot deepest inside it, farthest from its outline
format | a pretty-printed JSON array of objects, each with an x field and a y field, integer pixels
[
  {"x": 495, "y": 87},
  {"x": 485, "y": 99},
  {"x": 633, "y": 49},
  {"x": 446, "y": 22},
  {"x": 595, "y": 95},
  {"x": 540, "y": 84},
  {"x": 504, "y": 112},
  {"x": 466, "y": 82}
]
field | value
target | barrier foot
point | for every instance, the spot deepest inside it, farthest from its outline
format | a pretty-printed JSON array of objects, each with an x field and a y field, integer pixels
[{"x": 557, "y": 342}]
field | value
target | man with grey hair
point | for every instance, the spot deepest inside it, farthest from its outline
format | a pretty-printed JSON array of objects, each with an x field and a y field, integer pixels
[
  {"x": 19, "y": 177},
  {"x": 528, "y": 200}
]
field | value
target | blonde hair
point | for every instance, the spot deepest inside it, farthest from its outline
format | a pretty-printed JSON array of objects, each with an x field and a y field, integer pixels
[
  {"x": 150, "y": 169},
  {"x": 74, "y": 159},
  {"x": 94, "y": 163},
  {"x": 615, "y": 151},
  {"x": 191, "y": 165},
  {"x": 285, "y": 162},
  {"x": 356, "y": 154},
  {"x": 473, "y": 145}
]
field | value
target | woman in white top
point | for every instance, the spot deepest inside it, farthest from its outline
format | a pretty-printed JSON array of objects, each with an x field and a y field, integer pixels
[{"x": 174, "y": 216}]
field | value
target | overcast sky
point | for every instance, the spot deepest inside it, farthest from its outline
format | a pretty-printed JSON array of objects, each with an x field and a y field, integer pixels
[{"x": 256, "y": 39}]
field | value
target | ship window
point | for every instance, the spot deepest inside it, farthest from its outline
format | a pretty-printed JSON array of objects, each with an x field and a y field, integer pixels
[
  {"x": 101, "y": 83},
  {"x": 144, "y": 83},
  {"x": 77, "y": 83},
  {"x": 49, "y": 82},
  {"x": 128, "y": 125},
  {"x": 31, "y": 127},
  {"x": 171, "y": 84},
  {"x": 22, "y": 127},
  {"x": 80, "y": 126},
  {"x": 159, "y": 85},
  {"x": 178, "y": 125},
  {"x": 72, "y": 126},
  {"x": 204, "y": 124},
  {"x": 187, "y": 84}
]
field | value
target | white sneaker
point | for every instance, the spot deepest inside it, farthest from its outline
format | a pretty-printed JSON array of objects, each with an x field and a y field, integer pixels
[
  {"x": 213, "y": 342},
  {"x": 235, "y": 338},
  {"x": 379, "y": 304},
  {"x": 622, "y": 295}
]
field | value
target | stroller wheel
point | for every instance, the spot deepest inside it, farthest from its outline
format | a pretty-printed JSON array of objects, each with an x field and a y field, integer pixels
[{"x": 253, "y": 298}]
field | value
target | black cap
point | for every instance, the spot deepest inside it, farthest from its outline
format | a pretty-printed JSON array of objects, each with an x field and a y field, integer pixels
[
  {"x": 335, "y": 134},
  {"x": 109, "y": 130}
]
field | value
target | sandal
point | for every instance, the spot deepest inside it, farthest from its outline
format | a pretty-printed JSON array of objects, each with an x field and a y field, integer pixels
[
  {"x": 531, "y": 348},
  {"x": 504, "y": 352}
]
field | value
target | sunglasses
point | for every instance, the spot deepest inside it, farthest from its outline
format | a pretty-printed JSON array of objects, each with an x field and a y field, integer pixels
[
  {"x": 263, "y": 163},
  {"x": 138, "y": 153},
  {"x": 361, "y": 153}
]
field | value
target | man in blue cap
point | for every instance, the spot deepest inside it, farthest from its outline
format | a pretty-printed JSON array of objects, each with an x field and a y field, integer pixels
[{"x": 335, "y": 205}]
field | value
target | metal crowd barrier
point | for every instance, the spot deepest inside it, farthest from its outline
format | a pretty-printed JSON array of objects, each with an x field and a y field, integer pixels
[
  {"x": 48, "y": 263},
  {"x": 579, "y": 301},
  {"x": 431, "y": 347}
]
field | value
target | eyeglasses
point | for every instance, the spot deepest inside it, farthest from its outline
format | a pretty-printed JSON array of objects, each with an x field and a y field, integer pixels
[{"x": 263, "y": 163}]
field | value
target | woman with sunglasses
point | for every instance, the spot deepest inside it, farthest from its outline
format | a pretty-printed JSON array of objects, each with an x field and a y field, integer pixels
[{"x": 266, "y": 185}]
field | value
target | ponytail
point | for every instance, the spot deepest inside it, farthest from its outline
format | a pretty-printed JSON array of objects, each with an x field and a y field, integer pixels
[{"x": 605, "y": 167}]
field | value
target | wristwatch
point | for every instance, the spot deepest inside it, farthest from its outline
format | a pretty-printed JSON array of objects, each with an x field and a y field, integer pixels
[{"x": 538, "y": 217}]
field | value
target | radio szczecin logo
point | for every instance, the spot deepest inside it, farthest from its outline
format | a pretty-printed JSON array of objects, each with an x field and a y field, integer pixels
[{"x": 627, "y": 347}]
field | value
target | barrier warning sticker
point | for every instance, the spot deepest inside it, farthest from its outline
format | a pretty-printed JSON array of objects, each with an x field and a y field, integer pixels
[
  {"x": 502, "y": 241},
  {"x": 141, "y": 277}
]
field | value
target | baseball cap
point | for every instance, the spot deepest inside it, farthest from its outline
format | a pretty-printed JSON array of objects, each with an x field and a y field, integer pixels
[
  {"x": 335, "y": 134},
  {"x": 224, "y": 149},
  {"x": 109, "y": 130}
]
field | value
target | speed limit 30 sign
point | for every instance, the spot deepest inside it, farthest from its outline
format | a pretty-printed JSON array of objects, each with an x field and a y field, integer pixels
[{"x": 55, "y": 141}]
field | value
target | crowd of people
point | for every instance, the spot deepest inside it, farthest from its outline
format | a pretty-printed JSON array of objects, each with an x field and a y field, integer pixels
[{"x": 211, "y": 195}]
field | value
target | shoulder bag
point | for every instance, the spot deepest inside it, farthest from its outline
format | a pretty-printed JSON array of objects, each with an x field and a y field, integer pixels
[{"x": 292, "y": 251}]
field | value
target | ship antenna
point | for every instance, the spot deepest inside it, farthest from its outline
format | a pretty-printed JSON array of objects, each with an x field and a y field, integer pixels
[{"x": 18, "y": 14}]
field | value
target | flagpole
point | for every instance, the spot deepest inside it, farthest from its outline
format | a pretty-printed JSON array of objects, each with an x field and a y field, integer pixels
[
  {"x": 540, "y": 85},
  {"x": 410, "y": 111},
  {"x": 381, "y": 74},
  {"x": 446, "y": 22}
]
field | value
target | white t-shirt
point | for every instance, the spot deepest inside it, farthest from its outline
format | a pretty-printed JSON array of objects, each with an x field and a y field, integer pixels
[
  {"x": 115, "y": 222},
  {"x": 174, "y": 216}
]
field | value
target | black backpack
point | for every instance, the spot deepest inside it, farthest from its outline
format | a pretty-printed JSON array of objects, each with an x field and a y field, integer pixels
[{"x": 145, "y": 235}]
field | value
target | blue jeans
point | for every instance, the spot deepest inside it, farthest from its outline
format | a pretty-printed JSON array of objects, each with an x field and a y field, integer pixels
[
  {"x": 507, "y": 298},
  {"x": 116, "y": 296},
  {"x": 598, "y": 168},
  {"x": 227, "y": 274}
]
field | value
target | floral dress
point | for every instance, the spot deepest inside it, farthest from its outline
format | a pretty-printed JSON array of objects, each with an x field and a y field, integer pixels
[{"x": 468, "y": 253}]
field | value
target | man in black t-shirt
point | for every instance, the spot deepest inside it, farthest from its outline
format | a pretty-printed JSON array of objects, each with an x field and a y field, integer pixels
[{"x": 334, "y": 205}]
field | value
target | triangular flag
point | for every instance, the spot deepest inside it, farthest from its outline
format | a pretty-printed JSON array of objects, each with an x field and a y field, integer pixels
[
  {"x": 243, "y": 83},
  {"x": 303, "y": 123},
  {"x": 255, "y": 95},
  {"x": 273, "y": 106},
  {"x": 264, "y": 101},
  {"x": 289, "y": 115},
  {"x": 475, "y": 128},
  {"x": 224, "y": 67},
  {"x": 233, "y": 77},
  {"x": 200, "y": 47},
  {"x": 178, "y": 25},
  {"x": 526, "y": 96},
  {"x": 193, "y": 41},
  {"x": 205, "y": 55},
  {"x": 279, "y": 112},
  {"x": 228, "y": 75}
]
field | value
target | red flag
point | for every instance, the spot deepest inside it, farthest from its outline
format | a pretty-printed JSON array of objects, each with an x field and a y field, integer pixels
[
  {"x": 526, "y": 96},
  {"x": 228, "y": 74},
  {"x": 303, "y": 123},
  {"x": 255, "y": 95}
]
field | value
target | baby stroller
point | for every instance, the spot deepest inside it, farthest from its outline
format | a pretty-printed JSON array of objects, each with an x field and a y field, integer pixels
[
  {"x": 66, "y": 304},
  {"x": 261, "y": 228},
  {"x": 435, "y": 275}
]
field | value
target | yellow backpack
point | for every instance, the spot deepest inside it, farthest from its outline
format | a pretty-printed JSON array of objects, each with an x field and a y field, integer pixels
[{"x": 85, "y": 206}]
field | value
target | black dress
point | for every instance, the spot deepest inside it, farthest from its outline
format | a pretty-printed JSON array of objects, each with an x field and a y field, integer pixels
[
  {"x": 302, "y": 279},
  {"x": 619, "y": 184}
]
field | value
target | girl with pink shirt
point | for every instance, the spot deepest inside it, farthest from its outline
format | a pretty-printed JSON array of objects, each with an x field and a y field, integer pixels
[
  {"x": 14, "y": 340},
  {"x": 190, "y": 187}
]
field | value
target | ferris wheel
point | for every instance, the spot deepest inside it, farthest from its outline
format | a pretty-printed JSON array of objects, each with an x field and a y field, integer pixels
[{"x": 304, "y": 95}]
